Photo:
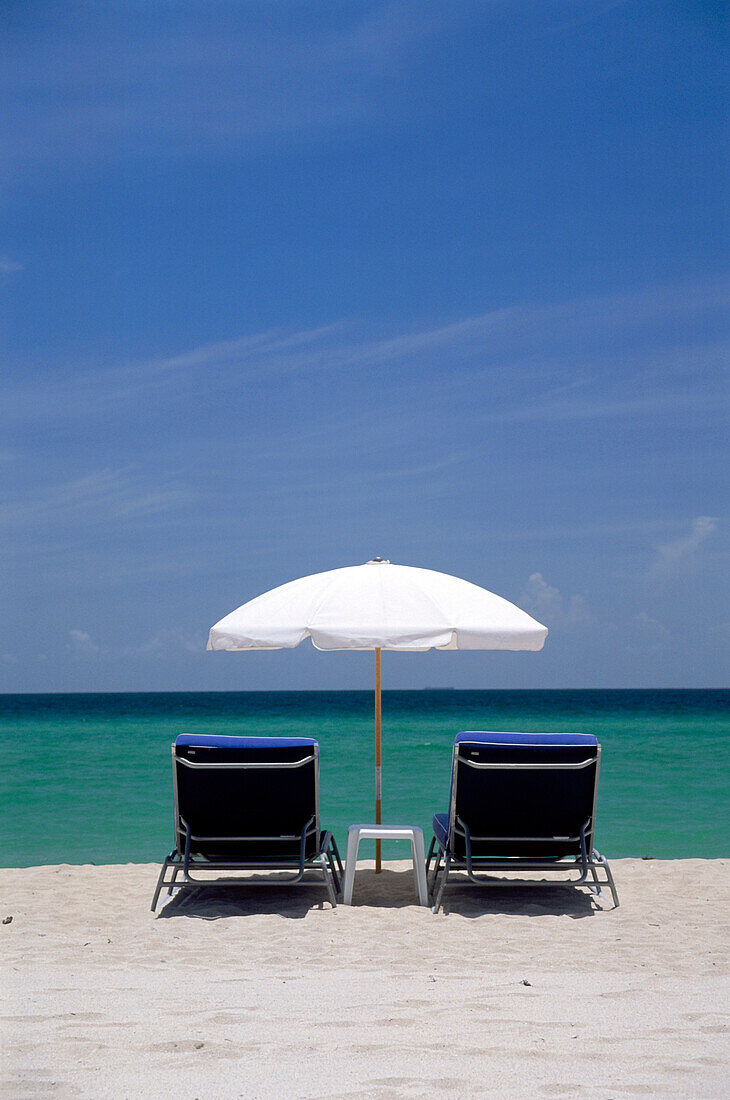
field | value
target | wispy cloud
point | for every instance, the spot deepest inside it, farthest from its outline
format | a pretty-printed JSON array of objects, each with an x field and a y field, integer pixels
[
  {"x": 632, "y": 354},
  {"x": 560, "y": 407},
  {"x": 200, "y": 81},
  {"x": 674, "y": 556},
  {"x": 8, "y": 267},
  {"x": 259, "y": 354},
  {"x": 106, "y": 493}
]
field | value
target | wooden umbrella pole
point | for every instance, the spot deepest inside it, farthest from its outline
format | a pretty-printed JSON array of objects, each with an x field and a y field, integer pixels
[{"x": 378, "y": 760}]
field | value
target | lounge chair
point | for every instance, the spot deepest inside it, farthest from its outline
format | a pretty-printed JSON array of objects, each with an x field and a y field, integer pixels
[
  {"x": 248, "y": 804},
  {"x": 520, "y": 802}
]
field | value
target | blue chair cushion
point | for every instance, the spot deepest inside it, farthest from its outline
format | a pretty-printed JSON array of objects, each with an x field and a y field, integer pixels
[
  {"x": 223, "y": 741},
  {"x": 541, "y": 739},
  {"x": 441, "y": 828}
]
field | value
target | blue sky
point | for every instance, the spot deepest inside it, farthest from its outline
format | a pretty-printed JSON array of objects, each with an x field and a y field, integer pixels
[{"x": 285, "y": 286}]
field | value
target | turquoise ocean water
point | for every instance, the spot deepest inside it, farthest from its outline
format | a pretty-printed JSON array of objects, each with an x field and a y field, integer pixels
[{"x": 87, "y": 778}]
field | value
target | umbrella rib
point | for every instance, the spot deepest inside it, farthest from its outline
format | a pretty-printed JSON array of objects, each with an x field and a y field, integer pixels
[
  {"x": 319, "y": 603},
  {"x": 434, "y": 603}
]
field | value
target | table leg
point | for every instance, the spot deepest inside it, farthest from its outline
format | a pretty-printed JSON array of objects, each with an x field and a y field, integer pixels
[
  {"x": 353, "y": 843},
  {"x": 419, "y": 866}
]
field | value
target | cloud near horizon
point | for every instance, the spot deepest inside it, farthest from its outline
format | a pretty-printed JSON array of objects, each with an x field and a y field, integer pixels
[
  {"x": 82, "y": 642},
  {"x": 548, "y": 605}
]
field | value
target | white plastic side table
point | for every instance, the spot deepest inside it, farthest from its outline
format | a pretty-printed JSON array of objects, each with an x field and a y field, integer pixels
[{"x": 414, "y": 833}]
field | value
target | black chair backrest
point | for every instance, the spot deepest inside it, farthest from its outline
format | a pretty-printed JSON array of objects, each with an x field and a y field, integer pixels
[
  {"x": 529, "y": 794},
  {"x": 246, "y": 798}
]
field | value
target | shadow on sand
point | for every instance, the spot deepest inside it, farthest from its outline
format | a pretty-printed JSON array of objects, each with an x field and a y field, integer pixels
[
  {"x": 396, "y": 889},
  {"x": 389, "y": 890},
  {"x": 552, "y": 899},
  {"x": 207, "y": 902}
]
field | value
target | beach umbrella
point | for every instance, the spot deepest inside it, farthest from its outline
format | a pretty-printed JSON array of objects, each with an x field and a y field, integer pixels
[{"x": 378, "y": 606}]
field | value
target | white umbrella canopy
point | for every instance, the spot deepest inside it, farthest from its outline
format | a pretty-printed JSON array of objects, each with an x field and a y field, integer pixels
[{"x": 378, "y": 606}]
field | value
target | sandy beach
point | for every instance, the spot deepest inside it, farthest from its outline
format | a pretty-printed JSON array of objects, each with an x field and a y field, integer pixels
[{"x": 272, "y": 993}]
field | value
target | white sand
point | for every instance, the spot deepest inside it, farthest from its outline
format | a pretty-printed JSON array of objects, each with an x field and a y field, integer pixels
[{"x": 285, "y": 997}]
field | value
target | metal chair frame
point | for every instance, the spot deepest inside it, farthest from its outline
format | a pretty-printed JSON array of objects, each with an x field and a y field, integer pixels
[
  {"x": 325, "y": 860},
  {"x": 588, "y": 862}
]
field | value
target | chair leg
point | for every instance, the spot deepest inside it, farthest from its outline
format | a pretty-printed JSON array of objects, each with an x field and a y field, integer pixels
[
  {"x": 444, "y": 876},
  {"x": 326, "y": 874},
  {"x": 175, "y": 869},
  {"x": 332, "y": 865},
  {"x": 336, "y": 853},
  {"x": 333, "y": 872},
  {"x": 596, "y": 881},
  {"x": 429, "y": 857},
  {"x": 611, "y": 884},
  {"x": 435, "y": 873},
  {"x": 336, "y": 856},
  {"x": 160, "y": 880}
]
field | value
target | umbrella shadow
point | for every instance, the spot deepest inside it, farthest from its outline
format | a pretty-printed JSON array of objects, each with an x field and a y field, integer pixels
[
  {"x": 387, "y": 890},
  {"x": 208, "y": 902}
]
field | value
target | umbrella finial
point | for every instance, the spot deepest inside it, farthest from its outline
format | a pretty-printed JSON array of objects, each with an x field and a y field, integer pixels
[{"x": 379, "y": 561}]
